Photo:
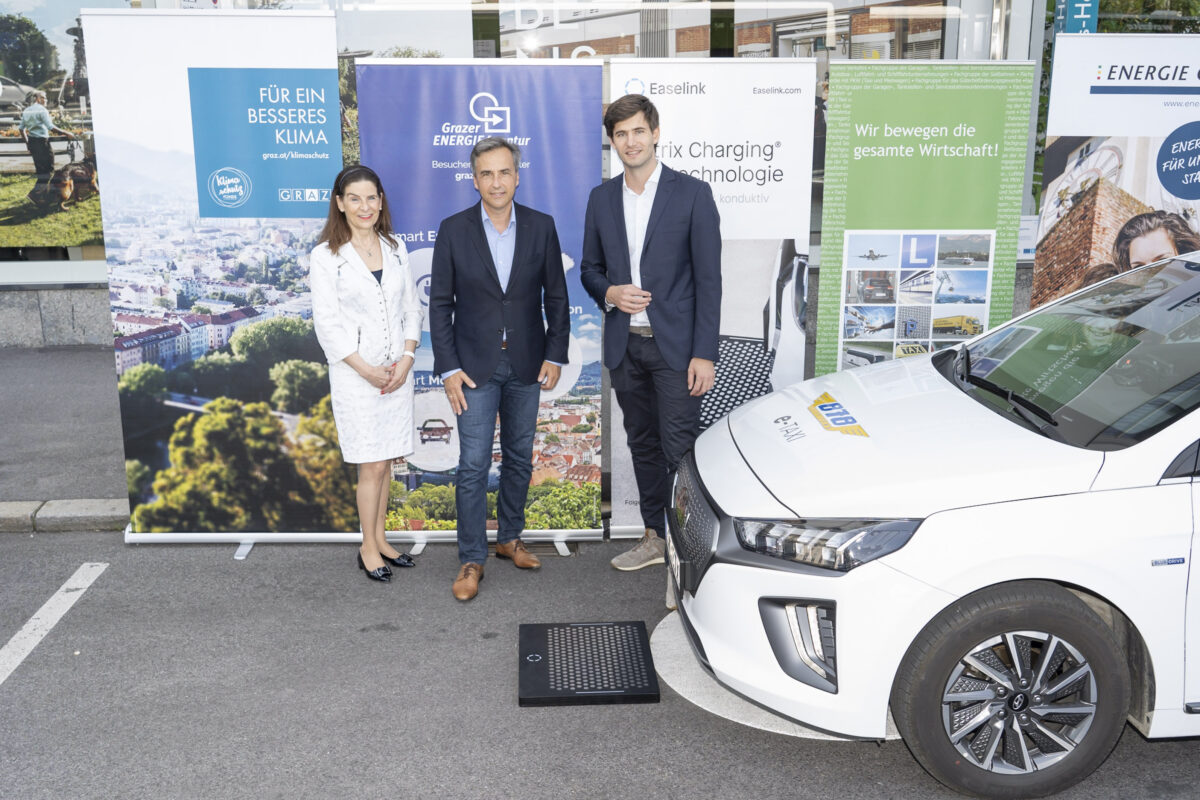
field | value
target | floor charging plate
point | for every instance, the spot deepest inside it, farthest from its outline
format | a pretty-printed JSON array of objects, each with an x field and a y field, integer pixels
[{"x": 585, "y": 663}]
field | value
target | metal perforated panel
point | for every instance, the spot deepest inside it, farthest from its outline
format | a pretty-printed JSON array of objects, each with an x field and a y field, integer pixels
[
  {"x": 578, "y": 663},
  {"x": 743, "y": 372}
]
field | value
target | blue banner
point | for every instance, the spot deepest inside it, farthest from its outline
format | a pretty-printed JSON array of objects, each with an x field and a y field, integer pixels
[
  {"x": 417, "y": 125},
  {"x": 1076, "y": 16},
  {"x": 267, "y": 141}
]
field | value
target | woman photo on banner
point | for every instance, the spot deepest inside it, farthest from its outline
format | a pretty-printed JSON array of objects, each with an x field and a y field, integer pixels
[{"x": 368, "y": 320}]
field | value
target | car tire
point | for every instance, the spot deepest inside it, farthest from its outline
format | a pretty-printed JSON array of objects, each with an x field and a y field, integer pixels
[{"x": 1026, "y": 741}]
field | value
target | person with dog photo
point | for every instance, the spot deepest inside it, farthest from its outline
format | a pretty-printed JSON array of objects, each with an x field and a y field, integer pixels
[{"x": 36, "y": 127}]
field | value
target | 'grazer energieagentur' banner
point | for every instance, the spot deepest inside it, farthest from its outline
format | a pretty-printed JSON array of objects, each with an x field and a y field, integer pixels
[
  {"x": 418, "y": 120},
  {"x": 924, "y": 170},
  {"x": 745, "y": 127}
]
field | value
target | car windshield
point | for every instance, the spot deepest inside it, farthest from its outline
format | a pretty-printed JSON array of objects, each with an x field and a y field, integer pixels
[{"x": 1102, "y": 370}]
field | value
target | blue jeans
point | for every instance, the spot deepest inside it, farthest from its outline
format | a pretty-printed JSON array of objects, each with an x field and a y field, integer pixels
[{"x": 517, "y": 405}]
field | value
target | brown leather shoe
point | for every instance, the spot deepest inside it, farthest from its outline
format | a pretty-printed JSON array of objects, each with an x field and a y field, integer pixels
[
  {"x": 466, "y": 585},
  {"x": 519, "y": 555}
]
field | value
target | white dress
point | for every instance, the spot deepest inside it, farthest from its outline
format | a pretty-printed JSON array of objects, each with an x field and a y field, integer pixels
[{"x": 352, "y": 312}]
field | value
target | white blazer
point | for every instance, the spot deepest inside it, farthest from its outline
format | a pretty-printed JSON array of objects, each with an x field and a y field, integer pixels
[{"x": 353, "y": 312}]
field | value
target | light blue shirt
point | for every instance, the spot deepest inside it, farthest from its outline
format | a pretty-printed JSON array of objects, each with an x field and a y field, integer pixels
[
  {"x": 36, "y": 120},
  {"x": 503, "y": 244}
]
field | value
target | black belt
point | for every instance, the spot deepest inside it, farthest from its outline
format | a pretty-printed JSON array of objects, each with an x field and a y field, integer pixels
[{"x": 641, "y": 330}]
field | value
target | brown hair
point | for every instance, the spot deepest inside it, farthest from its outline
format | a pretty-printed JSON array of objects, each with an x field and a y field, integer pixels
[
  {"x": 1181, "y": 234},
  {"x": 627, "y": 107},
  {"x": 336, "y": 232}
]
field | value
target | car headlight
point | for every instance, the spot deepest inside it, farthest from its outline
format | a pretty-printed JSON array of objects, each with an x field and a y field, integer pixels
[{"x": 837, "y": 544}]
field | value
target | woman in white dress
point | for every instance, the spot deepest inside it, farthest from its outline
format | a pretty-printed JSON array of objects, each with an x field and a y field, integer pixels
[{"x": 368, "y": 319}]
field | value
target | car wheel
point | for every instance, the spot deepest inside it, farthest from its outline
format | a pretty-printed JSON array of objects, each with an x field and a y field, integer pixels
[{"x": 1019, "y": 690}]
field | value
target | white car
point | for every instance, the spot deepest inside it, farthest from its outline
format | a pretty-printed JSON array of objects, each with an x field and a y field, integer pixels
[{"x": 994, "y": 542}]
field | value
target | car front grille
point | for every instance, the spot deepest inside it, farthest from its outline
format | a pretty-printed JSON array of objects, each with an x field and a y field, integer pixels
[{"x": 694, "y": 521}]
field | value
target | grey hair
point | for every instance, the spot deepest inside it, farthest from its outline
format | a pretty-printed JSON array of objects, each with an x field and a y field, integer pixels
[{"x": 493, "y": 143}]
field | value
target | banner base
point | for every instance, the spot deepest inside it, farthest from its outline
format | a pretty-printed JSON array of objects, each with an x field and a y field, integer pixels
[{"x": 418, "y": 539}]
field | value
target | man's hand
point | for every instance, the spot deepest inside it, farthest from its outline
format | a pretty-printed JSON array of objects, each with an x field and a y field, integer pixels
[
  {"x": 400, "y": 371},
  {"x": 548, "y": 377},
  {"x": 701, "y": 374},
  {"x": 453, "y": 386},
  {"x": 627, "y": 297}
]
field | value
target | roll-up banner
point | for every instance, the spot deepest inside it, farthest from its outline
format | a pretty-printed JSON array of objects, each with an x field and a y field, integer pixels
[
  {"x": 418, "y": 120},
  {"x": 745, "y": 127},
  {"x": 218, "y": 160},
  {"x": 1122, "y": 158},
  {"x": 924, "y": 170}
]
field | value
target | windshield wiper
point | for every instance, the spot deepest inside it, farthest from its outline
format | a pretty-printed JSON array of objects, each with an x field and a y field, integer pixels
[{"x": 1018, "y": 404}]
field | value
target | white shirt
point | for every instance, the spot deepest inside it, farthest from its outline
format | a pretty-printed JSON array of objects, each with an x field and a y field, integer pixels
[{"x": 637, "y": 217}]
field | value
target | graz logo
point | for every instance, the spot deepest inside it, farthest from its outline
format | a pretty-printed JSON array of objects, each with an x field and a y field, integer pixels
[
  {"x": 229, "y": 187},
  {"x": 635, "y": 86},
  {"x": 833, "y": 416},
  {"x": 495, "y": 117}
]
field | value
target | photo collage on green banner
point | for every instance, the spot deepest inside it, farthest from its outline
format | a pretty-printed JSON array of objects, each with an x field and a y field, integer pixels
[{"x": 924, "y": 170}]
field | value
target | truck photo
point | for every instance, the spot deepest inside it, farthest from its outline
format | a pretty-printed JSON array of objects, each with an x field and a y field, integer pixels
[
  {"x": 435, "y": 430},
  {"x": 960, "y": 325}
]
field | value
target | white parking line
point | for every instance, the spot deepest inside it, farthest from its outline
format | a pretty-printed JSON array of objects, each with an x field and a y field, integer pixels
[{"x": 41, "y": 623}]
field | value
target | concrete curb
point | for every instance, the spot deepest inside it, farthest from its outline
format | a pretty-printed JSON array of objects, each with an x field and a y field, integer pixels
[
  {"x": 57, "y": 516},
  {"x": 17, "y": 516}
]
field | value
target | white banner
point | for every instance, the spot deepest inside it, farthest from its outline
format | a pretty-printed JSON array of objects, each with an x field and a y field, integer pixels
[
  {"x": 218, "y": 137},
  {"x": 746, "y": 128},
  {"x": 1122, "y": 159}
]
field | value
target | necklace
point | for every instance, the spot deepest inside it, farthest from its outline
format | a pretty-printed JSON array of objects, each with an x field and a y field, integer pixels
[{"x": 368, "y": 251}]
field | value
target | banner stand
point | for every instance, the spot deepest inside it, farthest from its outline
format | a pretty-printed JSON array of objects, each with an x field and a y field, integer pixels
[{"x": 418, "y": 539}]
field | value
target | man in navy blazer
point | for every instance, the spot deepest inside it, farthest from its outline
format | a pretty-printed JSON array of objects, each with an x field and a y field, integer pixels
[
  {"x": 652, "y": 261},
  {"x": 494, "y": 267}
]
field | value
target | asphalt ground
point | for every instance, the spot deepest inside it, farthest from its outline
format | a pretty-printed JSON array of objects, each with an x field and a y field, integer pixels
[
  {"x": 180, "y": 672},
  {"x": 60, "y": 425}
]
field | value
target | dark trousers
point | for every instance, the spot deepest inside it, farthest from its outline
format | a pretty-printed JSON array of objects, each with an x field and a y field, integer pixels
[
  {"x": 43, "y": 160},
  {"x": 661, "y": 423}
]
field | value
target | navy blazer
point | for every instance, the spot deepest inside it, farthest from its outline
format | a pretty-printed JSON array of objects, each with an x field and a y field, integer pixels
[
  {"x": 681, "y": 266},
  {"x": 469, "y": 312}
]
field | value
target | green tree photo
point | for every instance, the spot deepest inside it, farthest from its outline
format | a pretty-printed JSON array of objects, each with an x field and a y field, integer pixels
[
  {"x": 562, "y": 504},
  {"x": 230, "y": 470},
  {"x": 299, "y": 385},
  {"x": 141, "y": 389},
  {"x": 319, "y": 461}
]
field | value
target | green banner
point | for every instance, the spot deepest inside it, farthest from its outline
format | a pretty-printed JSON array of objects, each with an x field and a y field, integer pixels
[{"x": 924, "y": 172}]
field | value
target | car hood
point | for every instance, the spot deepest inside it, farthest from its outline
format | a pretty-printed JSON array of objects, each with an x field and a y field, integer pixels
[{"x": 896, "y": 440}]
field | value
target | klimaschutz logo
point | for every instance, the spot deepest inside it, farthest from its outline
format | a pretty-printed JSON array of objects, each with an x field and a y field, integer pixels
[
  {"x": 833, "y": 416},
  {"x": 229, "y": 187}
]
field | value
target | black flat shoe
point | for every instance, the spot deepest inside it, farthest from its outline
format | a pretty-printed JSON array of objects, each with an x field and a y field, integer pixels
[
  {"x": 402, "y": 560},
  {"x": 381, "y": 574}
]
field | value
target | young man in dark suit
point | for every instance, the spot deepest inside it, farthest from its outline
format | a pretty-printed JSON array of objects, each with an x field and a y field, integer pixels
[
  {"x": 652, "y": 261},
  {"x": 494, "y": 266}
]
